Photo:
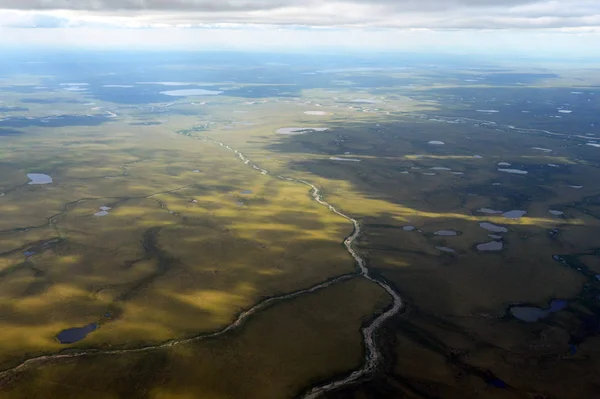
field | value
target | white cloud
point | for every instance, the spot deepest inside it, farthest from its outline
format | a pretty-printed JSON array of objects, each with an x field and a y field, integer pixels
[
  {"x": 265, "y": 38},
  {"x": 527, "y": 25},
  {"x": 434, "y": 14}
]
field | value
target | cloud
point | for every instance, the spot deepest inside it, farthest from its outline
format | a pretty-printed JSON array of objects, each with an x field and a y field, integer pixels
[
  {"x": 241, "y": 5},
  {"x": 32, "y": 20},
  {"x": 405, "y": 14}
]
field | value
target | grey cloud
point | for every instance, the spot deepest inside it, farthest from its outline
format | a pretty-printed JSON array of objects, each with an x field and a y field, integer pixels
[
  {"x": 446, "y": 14},
  {"x": 242, "y": 5},
  {"x": 145, "y": 5}
]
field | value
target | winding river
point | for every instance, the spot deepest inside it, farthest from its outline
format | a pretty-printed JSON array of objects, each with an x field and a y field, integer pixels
[{"x": 373, "y": 356}]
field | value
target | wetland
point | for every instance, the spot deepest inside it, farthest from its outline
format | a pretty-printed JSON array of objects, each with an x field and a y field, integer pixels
[{"x": 162, "y": 228}]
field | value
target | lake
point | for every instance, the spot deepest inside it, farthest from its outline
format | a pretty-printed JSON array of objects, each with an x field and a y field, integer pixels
[
  {"x": 73, "y": 335},
  {"x": 39, "y": 178}
]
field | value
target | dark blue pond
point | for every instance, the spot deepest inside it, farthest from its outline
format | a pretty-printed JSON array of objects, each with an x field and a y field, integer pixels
[
  {"x": 558, "y": 305},
  {"x": 532, "y": 314},
  {"x": 498, "y": 383},
  {"x": 72, "y": 335}
]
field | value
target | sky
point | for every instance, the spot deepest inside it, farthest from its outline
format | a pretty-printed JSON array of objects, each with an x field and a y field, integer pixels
[{"x": 554, "y": 27}]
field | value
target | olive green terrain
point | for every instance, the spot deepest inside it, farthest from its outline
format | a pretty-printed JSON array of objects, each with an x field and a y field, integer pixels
[{"x": 194, "y": 237}]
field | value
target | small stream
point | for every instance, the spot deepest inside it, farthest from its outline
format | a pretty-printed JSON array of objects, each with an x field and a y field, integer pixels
[{"x": 373, "y": 356}]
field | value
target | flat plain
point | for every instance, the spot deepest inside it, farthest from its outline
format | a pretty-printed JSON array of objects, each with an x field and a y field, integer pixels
[{"x": 474, "y": 186}]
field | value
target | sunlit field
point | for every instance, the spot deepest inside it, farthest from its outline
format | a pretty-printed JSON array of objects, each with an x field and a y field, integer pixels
[
  {"x": 163, "y": 218},
  {"x": 292, "y": 344}
]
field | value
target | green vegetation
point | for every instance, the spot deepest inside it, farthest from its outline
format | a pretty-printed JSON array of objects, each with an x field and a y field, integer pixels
[
  {"x": 292, "y": 343},
  {"x": 193, "y": 236}
]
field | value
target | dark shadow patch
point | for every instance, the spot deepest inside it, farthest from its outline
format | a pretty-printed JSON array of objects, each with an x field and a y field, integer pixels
[
  {"x": 13, "y": 109},
  {"x": 9, "y": 132},
  {"x": 517, "y": 78},
  {"x": 62, "y": 121},
  {"x": 529, "y": 107},
  {"x": 54, "y": 100},
  {"x": 138, "y": 95}
]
